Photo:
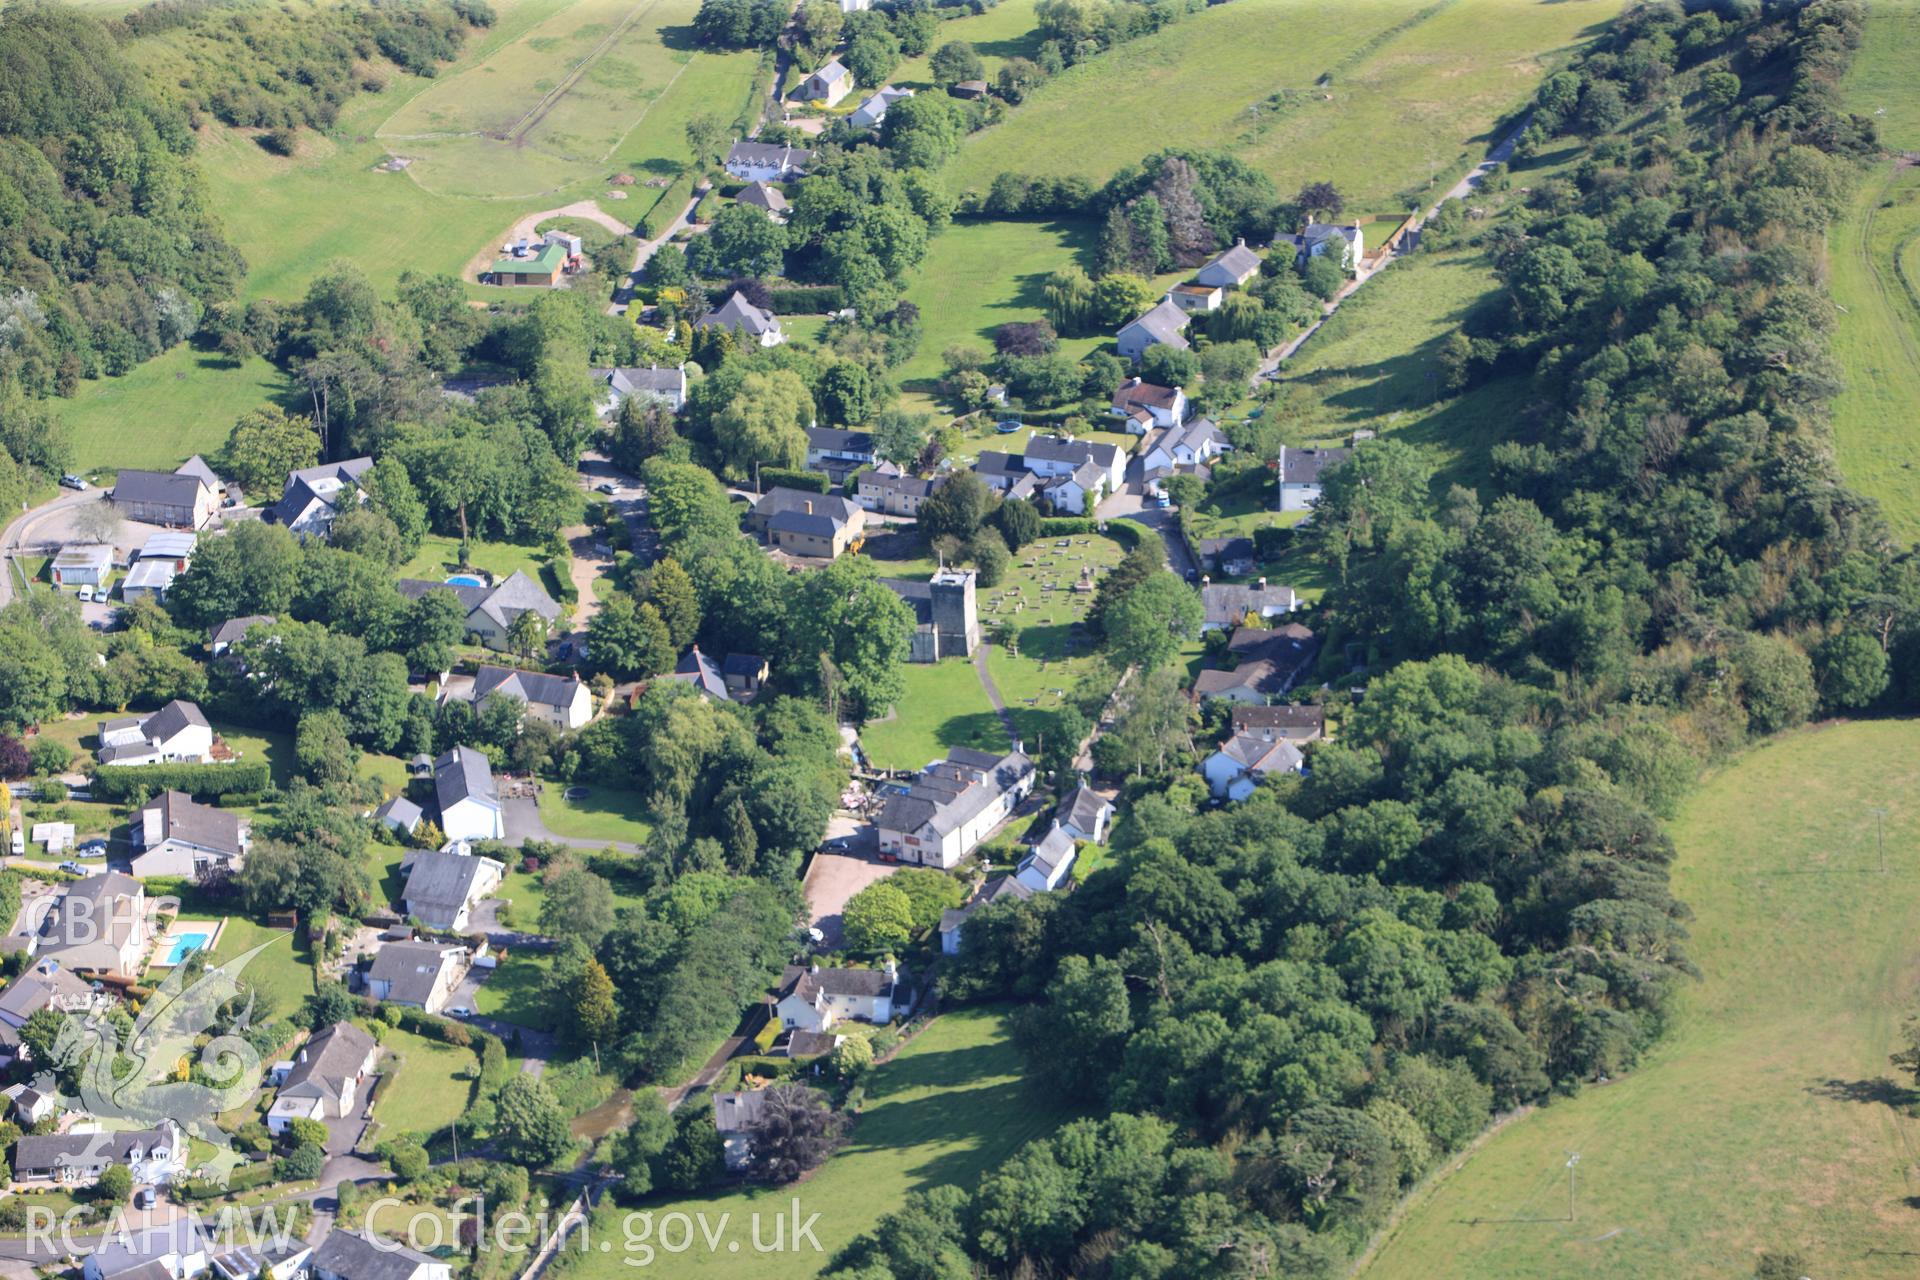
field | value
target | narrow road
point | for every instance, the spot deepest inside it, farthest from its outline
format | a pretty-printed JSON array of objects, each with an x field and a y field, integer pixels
[
  {"x": 20, "y": 530},
  {"x": 623, "y": 296}
]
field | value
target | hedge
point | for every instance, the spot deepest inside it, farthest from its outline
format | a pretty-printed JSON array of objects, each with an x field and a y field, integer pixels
[
  {"x": 1125, "y": 532},
  {"x": 781, "y": 477},
  {"x": 201, "y": 781},
  {"x": 806, "y": 299},
  {"x": 254, "y": 1174}
]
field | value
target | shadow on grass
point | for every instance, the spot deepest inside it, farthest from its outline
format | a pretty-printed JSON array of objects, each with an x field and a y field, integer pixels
[
  {"x": 1879, "y": 1091},
  {"x": 979, "y": 729}
]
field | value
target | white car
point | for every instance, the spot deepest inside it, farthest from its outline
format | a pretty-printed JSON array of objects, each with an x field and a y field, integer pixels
[{"x": 86, "y": 594}]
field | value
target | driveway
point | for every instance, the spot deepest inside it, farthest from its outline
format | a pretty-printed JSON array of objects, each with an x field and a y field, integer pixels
[
  {"x": 536, "y": 1047},
  {"x": 831, "y": 880},
  {"x": 520, "y": 816},
  {"x": 1129, "y": 504}
]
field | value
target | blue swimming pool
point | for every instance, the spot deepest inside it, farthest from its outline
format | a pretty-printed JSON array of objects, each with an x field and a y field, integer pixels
[
  {"x": 465, "y": 580},
  {"x": 184, "y": 945}
]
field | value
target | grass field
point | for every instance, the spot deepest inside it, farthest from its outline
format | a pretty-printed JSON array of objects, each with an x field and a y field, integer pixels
[
  {"x": 1768, "y": 1118},
  {"x": 944, "y": 706},
  {"x": 1411, "y": 98},
  {"x": 1008, "y": 30},
  {"x": 1880, "y": 80},
  {"x": 426, "y": 1089},
  {"x": 951, "y": 1107},
  {"x": 439, "y": 556},
  {"x": 184, "y": 402}
]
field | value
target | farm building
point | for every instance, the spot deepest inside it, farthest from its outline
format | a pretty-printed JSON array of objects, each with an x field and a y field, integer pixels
[
  {"x": 542, "y": 267},
  {"x": 165, "y": 497},
  {"x": 82, "y": 564}
]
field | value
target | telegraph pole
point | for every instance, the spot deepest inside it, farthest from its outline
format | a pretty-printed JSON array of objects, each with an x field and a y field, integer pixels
[
  {"x": 1573, "y": 1159},
  {"x": 1880, "y": 835}
]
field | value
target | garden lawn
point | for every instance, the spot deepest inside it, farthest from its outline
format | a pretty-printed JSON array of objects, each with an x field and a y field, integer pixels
[
  {"x": 606, "y": 813},
  {"x": 516, "y": 991},
  {"x": 1769, "y": 1117},
  {"x": 282, "y": 973},
  {"x": 426, "y": 1087},
  {"x": 1412, "y": 97},
  {"x": 951, "y": 1107},
  {"x": 944, "y": 706},
  {"x": 439, "y": 558},
  {"x": 184, "y": 402}
]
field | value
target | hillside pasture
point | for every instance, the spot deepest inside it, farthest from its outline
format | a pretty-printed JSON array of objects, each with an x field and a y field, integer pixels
[
  {"x": 179, "y": 403},
  {"x": 1769, "y": 1117},
  {"x": 1007, "y": 30},
  {"x": 1377, "y": 96}
]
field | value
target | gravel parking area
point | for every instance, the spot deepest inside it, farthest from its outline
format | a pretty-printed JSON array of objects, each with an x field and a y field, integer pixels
[{"x": 831, "y": 880}]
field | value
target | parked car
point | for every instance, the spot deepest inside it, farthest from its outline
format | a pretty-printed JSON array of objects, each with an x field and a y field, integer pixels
[
  {"x": 460, "y": 1011},
  {"x": 86, "y": 594},
  {"x": 71, "y": 481},
  {"x": 606, "y": 486},
  {"x": 146, "y": 1198},
  {"x": 73, "y": 868},
  {"x": 94, "y": 848}
]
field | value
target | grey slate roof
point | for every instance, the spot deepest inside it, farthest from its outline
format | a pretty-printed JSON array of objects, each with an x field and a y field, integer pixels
[
  {"x": 1061, "y": 449},
  {"x": 445, "y": 880},
  {"x": 171, "y": 719},
  {"x": 1082, "y": 807},
  {"x": 348, "y": 1254},
  {"x": 761, "y": 154},
  {"x": 808, "y": 983},
  {"x": 1237, "y": 261},
  {"x": 762, "y": 196},
  {"x": 460, "y": 773},
  {"x": 327, "y": 1062},
  {"x": 296, "y": 500},
  {"x": 410, "y": 967},
  {"x": 779, "y": 501},
  {"x": 948, "y": 793},
  {"x": 518, "y": 594},
  {"x": 1055, "y": 848},
  {"x": 1294, "y": 720},
  {"x": 1226, "y": 604},
  {"x": 85, "y": 1150},
  {"x": 698, "y": 670},
  {"x": 670, "y": 382},
  {"x": 197, "y": 467},
  {"x": 400, "y": 812},
  {"x": 90, "y": 936},
  {"x": 1304, "y": 466},
  {"x": 835, "y": 440},
  {"x": 183, "y": 818},
  {"x": 38, "y": 986},
  {"x": 233, "y": 630},
  {"x": 1258, "y": 756},
  {"x": 1166, "y": 323},
  {"x": 532, "y": 687},
  {"x": 737, "y": 313},
  {"x": 167, "y": 487},
  {"x": 810, "y": 1044},
  {"x": 469, "y": 597},
  {"x": 738, "y": 1112}
]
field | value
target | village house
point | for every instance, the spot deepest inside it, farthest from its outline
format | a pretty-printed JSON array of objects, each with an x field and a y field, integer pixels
[
  {"x": 48, "y": 984},
  {"x": 1163, "y": 326},
  {"x": 750, "y": 325},
  {"x": 1229, "y": 557},
  {"x": 420, "y": 975},
  {"x": 952, "y": 805},
  {"x": 1235, "y": 770},
  {"x": 745, "y": 674},
  {"x": 1142, "y": 406},
  {"x": 154, "y": 1156},
  {"x": 443, "y": 888},
  {"x": 165, "y": 497},
  {"x": 313, "y": 496},
  {"x": 735, "y": 1117},
  {"x": 81, "y": 564},
  {"x": 668, "y": 386},
  {"x": 767, "y": 161},
  {"x": 1046, "y": 865},
  {"x": 172, "y": 1250},
  {"x": 701, "y": 673},
  {"x": 870, "y": 113},
  {"x": 564, "y": 702},
  {"x": 350, "y": 1255},
  {"x": 816, "y": 999},
  {"x": 1297, "y": 722},
  {"x": 231, "y": 632},
  {"x": 464, "y": 792},
  {"x": 807, "y": 524},
  {"x": 1270, "y": 663},
  {"x": 1000, "y": 888},
  {"x": 945, "y": 614},
  {"x": 1228, "y": 605},
  {"x": 1006, "y": 474},
  {"x": 174, "y": 835},
  {"x": 28, "y": 1105},
  {"x": 1186, "y": 444},
  {"x": 827, "y": 86},
  {"x": 888, "y": 489},
  {"x": 1084, "y": 814},
  {"x": 1300, "y": 471},
  {"x": 1231, "y": 269},
  {"x": 1345, "y": 245},
  {"x": 1058, "y": 456},
  {"x": 177, "y": 733},
  {"x": 323, "y": 1080},
  {"x": 837, "y": 452},
  {"x": 97, "y": 924},
  {"x": 270, "y": 1259},
  {"x": 491, "y": 609},
  {"x": 767, "y": 198}
]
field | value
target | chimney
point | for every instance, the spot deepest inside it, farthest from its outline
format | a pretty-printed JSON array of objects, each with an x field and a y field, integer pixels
[
  {"x": 815, "y": 968},
  {"x": 1263, "y": 584},
  {"x": 303, "y": 1053},
  {"x": 1206, "y": 579},
  {"x": 893, "y": 970},
  {"x": 809, "y": 505}
]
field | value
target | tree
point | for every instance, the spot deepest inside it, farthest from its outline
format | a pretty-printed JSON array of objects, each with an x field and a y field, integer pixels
[
  {"x": 321, "y": 747},
  {"x": 266, "y": 444},
  {"x": 706, "y": 139},
  {"x": 957, "y": 508},
  {"x": 765, "y": 422},
  {"x": 1776, "y": 682},
  {"x": 1853, "y": 671},
  {"x": 527, "y": 635},
  {"x": 115, "y": 1184},
  {"x": 578, "y": 907},
  {"x": 877, "y": 918},
  {"x": 1147, "y": 626},
  {"x": 922, "y": 132},
  {"x": 15, "y": 760},
  {"x": 595, "y": 1015},
  {"x": 1119, "y": 298},
  {"x": 987, "y": 551},
  {"x": 303, "y": 1132},
  {"x": 1323, "y": 277},
  {"x": 851, "y": 1058},
  {"x": 797, "y": 1130},
  {"x": 98, "y": 522},
  {"x": 1019, "y": 522},
  {"x": 1320, "y": 199},
  {"x": 637, "y": 1146},
  {"x": 929, "y": 894},
  {"x": 899, "y": 437},
  {"x": 671, "y": 591},
  {"x": 953, "y": 62},
  {"x": 872, "y": 57},
  {"x": 1068, "y": 298},
  {"x": 740, "y": 241},
  {"x": 406, "y": 1157},
  {"x": 529, "y": 1125}
]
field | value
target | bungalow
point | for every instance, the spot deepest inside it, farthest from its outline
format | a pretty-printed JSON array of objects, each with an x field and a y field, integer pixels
[
  {"x": 1001, "y": 888},
  {"x": 233, "y": 630},
  {"x": 1165, "y": 325},
  {"x": 165, "y": 497},
  {"x": 1188, "y": 444},
  {"x": 1084, "y": 814},
  {"x": 313, "y": 497},
  {"x": 1235, "y": 770},
  {"x": 945, "y": 612},
  {"x": 827, "y": 86},
  {"x": 1270, "y": 663},
  {"x": 892, "y": 491},
  {"x": 1300, "y": 471},
  {"x": 669, "y": 386},
  {"x": 952, "y": 805},
  {"x": 177, "y": 733},
  {"x": 1297, "y": 722},
  {"x": 870, "y": 113},
  {"x": 400, "y": 815},
  {"x": 154, "y": 1155},
  {"x": 1146, "y": 405},
  {"x": 1047, "y": 864},
  {"x": 750, "y": 325},
  {"x": 767, "y": 161},
  {"x": 1229, "y": 556},
  {"x": 540, "y": 267},
  {"x": 177, "y": 836},
  {"x": 807, "y": 524},
  {"x": 815, "y": 999},
  {"x": 1227, "y": 606},
  {"x": 564, "y": 702},
  {"x": 1192, "y": 298},
  {"x": 492, "y": 609},
  {"x": 735, "y": 1117},
  {"x": 420, "y": 975},
  {"x": 97, "y": 925},
  {"x": 1231, "y": 269},
  {"x": 82, "y": 564},
  {"x": 325, "y": 1078},
  {"x": 463, "y": 789},
  {"x": 835, "y": 451},
  {"x": 443, "y": 888},
  {"x": 353, "y": 1255}
]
